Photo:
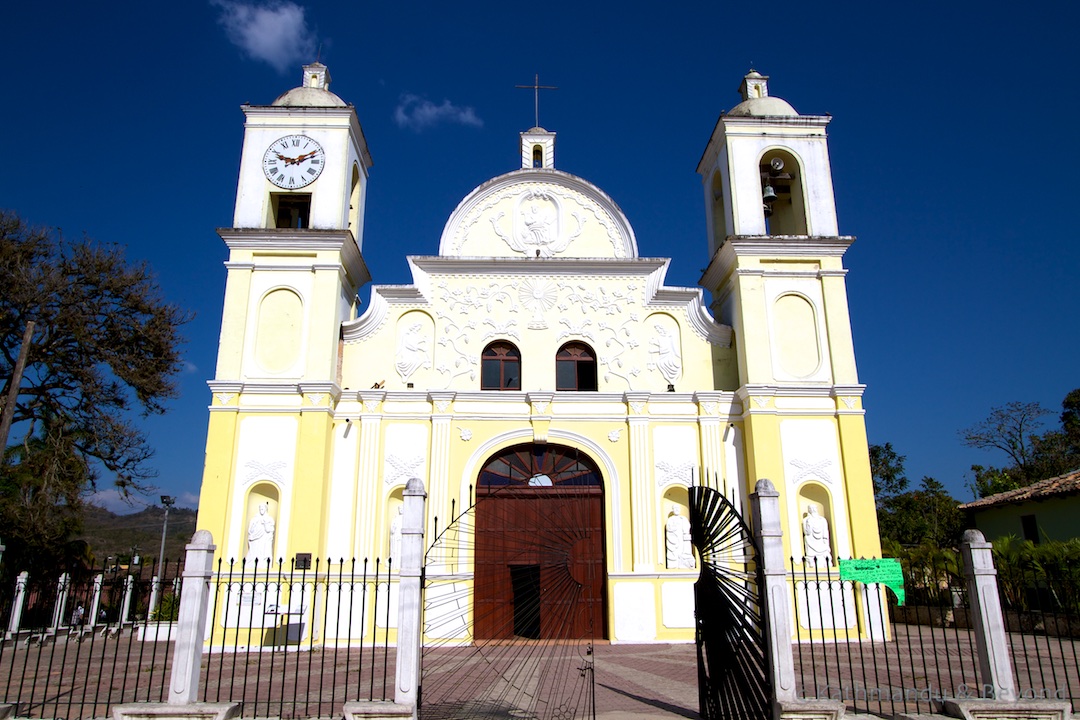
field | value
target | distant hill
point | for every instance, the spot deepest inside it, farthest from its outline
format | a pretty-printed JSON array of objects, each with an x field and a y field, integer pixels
[{"x": 110, "y": 534}]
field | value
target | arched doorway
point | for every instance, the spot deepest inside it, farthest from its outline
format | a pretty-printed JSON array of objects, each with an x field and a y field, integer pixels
[{"x": 539, "y": 562}]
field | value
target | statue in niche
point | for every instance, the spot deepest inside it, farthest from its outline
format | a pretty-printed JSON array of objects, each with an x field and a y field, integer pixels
[
  {"x": 261, "y": 536},
  {"x": 395, "y": 536},
  {"x": 816, "y": 549},
  {"x": 412, "y": 353},
  {"x": 677, "y": 541},
  {"x": 668, "y": 360}
]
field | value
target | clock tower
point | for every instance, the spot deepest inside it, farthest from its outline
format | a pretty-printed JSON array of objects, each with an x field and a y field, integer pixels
[{"x": 295, "y": 266}]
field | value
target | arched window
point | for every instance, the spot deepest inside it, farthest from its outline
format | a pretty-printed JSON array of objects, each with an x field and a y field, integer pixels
[
  {"x": 781, "y": 191},
  {"x": 538, "y": 156},
  {"x": 500, "y": 367},
  {"x": 575, "y": 367}
]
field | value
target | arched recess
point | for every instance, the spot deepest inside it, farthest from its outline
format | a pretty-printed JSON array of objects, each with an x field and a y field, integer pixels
[
  {"x": 395, "y": 507},
  {"x": 539, "y": 554},
  {"x": 716, "y": 210},
  {"x": 795, "y": 335},
  {"x": 415, "y": 349},
  {"x": 676, "y": 504},
  {"x": 783, "y": 199},
  {"x": 261, "y": 529},
  {"x": 354, "y": 204},
  {"x": 814, "y": 499},
  {"x": 279, "y": 331}
]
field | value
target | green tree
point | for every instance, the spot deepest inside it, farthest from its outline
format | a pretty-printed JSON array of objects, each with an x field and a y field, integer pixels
[
  {"x": 1013, "y": 428},
  {"x": 104, "y": 347}
]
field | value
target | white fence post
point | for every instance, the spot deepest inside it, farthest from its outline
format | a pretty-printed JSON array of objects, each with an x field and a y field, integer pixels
[
  {"x": 63, "y": 588},
  {"x": 17, "y": 605},
  {"x": 765, "y": 506},
  {"x": 95, "y": 603},
  {"x": 991, "y": 643},
  {"x": 409, "y": 615},
  {"x": 191, "y": 623}
]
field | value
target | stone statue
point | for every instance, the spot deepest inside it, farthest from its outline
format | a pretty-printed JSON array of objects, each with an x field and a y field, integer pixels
[
  {"x": 261, "y": 537},
  {"x": 668, "y": 360},
  {"x": 677, "y": 541},
  {"x": 395, "y": 536},
  {"x": 412, "y": 353},
  {"x": 816, "y": 548}
]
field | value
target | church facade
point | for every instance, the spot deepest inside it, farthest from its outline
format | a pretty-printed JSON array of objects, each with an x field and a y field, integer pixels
[{"x": 538, "y": 350}]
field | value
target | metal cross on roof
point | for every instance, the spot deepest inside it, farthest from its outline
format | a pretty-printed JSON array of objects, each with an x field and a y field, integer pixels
[{"x": 536, "y": 87}]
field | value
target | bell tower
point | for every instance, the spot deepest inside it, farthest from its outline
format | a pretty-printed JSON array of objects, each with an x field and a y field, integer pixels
[
  {"x": 777, "y": 277},
  {"x": 294, "y": 269}
]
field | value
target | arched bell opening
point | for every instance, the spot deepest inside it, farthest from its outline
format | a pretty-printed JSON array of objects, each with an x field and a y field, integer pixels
[
  {"x": 781, "y": 193},
  {"x": 539, "y": 558}
]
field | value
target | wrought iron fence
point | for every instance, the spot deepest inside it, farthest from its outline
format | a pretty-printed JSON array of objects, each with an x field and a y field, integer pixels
[
  {"x": 1042, "y": 619},
  {"x": 299, "y": 640},
  {"x": 76, "y": 645},
  {"x": 855, "y": 643}
]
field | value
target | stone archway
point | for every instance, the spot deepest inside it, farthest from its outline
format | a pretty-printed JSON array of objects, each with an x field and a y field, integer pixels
[{"x": 539, "y": 556}]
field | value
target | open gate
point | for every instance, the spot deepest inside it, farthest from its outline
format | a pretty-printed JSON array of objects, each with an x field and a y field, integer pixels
[
  {"x": 732, "y": 649},
  {"x": 510, "y": 616}
]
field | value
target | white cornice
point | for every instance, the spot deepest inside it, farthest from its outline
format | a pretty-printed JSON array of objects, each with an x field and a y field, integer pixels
[
  {"x": 558, "y": 266},
  {"x": 771, "y": 246},
  {"x": 308, "y": 240}
]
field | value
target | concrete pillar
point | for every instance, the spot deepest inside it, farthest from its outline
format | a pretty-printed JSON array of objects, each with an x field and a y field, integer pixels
[
  {"x": 18, "y": 604},
  {"x": 63, "y": 589},
  {"x": 409, "y": 610},
  {"x": 775, "y": 594},
  {"x": 125, "y": 606},
  {"x": 155, "y": 591},
  {"x": 991, "y": 643},
  {"x": 191, "y": 624},
  {"x": 95, "y": 602}
]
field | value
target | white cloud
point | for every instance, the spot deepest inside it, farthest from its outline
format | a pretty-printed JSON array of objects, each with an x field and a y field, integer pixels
[
  {"x": 188, "y": 500},
  {"x": 274, "y": 32},
  {"x": 190, "y": 367},
  {"x": 417, "y": 113}
]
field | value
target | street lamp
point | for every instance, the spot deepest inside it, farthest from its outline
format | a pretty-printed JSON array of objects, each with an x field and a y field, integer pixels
[{"x": 166, "y": 502}]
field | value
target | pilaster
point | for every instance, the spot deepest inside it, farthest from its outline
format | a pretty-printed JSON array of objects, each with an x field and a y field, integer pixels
[{"x": 641, "y": 485}]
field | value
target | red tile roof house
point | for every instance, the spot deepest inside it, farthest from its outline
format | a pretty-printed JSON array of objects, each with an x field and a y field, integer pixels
[{"x": 1046, "y": 510}]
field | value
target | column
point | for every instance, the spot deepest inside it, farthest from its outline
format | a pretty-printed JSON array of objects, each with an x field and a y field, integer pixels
[
  {"x": 991, "y": 643},
  {"x": 765, "y": 505},
  {"x": 641, "y": 485},
  {"x": 409, "y": 609},
  {"x": 17, "y": 605},
  {"x": 191, "y": 622}
]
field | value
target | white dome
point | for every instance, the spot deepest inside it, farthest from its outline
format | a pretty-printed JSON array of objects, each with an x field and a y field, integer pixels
[
  {"x": 309, "y": 97},
  {"x": 762, "y": 107}
]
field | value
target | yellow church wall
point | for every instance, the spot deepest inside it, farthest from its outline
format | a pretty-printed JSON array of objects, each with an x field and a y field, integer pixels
[
  {"x": 215, "y": 494},
  {"x": 233, "y": 323}
]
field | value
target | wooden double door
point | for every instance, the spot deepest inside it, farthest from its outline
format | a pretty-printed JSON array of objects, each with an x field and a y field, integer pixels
[{"x": 539, "y": 553}]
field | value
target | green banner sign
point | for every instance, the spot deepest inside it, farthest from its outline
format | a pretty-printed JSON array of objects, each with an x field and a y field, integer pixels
[{"x": 883, "y": 571}]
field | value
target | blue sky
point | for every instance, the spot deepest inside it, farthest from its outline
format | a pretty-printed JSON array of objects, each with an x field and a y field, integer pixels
[{"x": 951, "y": 130}]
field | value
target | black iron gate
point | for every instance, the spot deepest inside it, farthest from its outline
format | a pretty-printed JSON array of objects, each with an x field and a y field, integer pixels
[{"x": 732, "y": 650}]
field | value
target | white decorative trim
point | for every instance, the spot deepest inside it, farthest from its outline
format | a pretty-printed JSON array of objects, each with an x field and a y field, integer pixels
[
  {"x": 614, "y": 435},
  {"x": 538, "y": 181},
  {"x": 674, "y": 473},
  {"x": 466, "y": 434},
  {"x": 811, "y": 469},
  {"x": 224, "y": 398},
  {"x": 256, "y": 470},
  {"x": 397, "y": 469},
  {"x": 849, "y": 401},
  {"x": 612, "y": 493}
]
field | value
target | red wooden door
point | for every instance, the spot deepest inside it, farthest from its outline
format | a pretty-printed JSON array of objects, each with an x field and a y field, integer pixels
[{"x": 539, "y": 560}]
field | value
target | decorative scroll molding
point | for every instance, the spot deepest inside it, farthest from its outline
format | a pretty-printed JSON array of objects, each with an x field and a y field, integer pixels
[
  {"x": 256, "y": 470},
  {"x": 668, "y": 473},
  {"x": 811, "y": 469},
  {"x": 398, "y": 469}
]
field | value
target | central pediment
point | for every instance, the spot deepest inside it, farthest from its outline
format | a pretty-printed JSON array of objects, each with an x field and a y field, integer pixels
[{"x": 538, "y": 213}]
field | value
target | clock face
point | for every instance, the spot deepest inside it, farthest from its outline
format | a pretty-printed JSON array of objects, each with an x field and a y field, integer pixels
[{"x": 293, "y": 161}]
